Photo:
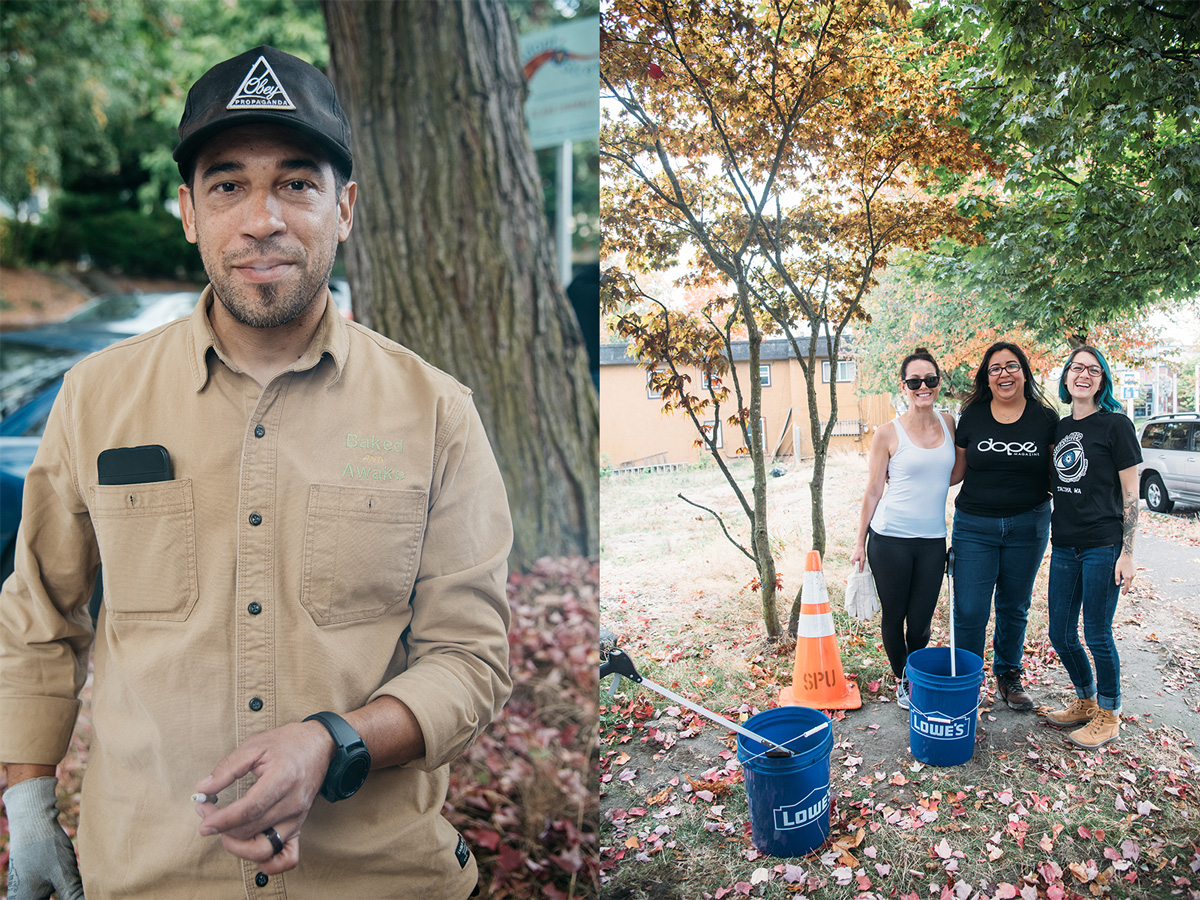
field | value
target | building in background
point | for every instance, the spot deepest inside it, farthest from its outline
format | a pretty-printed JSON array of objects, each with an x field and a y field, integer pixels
[{"x": 635, "y": 433}]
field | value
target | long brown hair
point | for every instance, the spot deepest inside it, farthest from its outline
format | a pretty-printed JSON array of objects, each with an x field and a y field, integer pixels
[{"x": 981, "y": 392}]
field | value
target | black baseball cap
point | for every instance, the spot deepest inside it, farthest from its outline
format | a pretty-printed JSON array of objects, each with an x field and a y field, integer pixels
[{"x": 263, "y": 85}]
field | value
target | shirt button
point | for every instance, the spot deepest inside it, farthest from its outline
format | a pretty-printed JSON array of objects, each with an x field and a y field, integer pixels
[
  {"x": 254, "y": 608},
  {"x": 255, "y": 519},
  {"x": 256, "y": 704},
  {"x": 261, "y": 880},
  {"x": 259, "y": 431}
]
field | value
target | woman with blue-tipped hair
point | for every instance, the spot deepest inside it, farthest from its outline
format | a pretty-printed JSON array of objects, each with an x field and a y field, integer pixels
[{"x": 1095, "y": 516}]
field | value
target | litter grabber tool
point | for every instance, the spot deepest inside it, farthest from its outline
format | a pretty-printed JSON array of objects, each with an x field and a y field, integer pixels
[
  {"x": 608, "y": 641},
  {"x": 619, "y": 663},
  {"x": 950, "y": 580}
]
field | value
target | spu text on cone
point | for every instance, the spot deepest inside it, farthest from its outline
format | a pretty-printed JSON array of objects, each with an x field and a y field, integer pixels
[{"x": 817, "y": 677}]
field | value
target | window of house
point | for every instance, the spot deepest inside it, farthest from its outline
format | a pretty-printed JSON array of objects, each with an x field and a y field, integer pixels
[
  {"x": 846, "y": 371},
  {"x": 713, "y": 428},
  {"x": 652, "y": 392},
  {"x": 764, "y": 374}
]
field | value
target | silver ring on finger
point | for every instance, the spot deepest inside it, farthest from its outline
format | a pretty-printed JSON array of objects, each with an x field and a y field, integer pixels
[{"x": 275, "y": 839}]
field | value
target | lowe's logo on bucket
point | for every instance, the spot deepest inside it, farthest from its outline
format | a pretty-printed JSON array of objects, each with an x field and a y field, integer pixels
[
  {"x": 940, "y": 728},
  {"x": 807, "y": 811}
]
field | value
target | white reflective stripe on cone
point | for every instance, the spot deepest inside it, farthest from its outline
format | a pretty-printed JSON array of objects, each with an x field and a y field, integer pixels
[{"x": 815, "y": 625}]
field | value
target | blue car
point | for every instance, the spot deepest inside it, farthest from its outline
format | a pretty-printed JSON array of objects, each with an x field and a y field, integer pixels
[{"x": 32, "y": 366}]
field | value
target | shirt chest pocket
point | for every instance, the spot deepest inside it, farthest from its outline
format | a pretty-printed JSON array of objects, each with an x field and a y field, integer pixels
[
  {"x": 361, "y": 549},
  {"x": 147, "y": 539}
]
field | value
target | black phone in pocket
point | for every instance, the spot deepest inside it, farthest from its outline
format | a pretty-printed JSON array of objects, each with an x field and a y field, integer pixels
[{"x": 134, "y": 465}]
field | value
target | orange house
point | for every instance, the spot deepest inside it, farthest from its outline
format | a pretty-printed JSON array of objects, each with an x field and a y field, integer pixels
[{"x": 634, "y": 431}]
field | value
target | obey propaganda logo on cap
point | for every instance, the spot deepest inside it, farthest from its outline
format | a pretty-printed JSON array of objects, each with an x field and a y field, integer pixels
[
  {"x": 261, "y": 90},
  {"x": 263, "y": 85}
]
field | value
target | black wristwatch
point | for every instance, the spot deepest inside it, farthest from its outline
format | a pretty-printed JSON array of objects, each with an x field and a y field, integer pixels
[{"x": 351, "y": 761}]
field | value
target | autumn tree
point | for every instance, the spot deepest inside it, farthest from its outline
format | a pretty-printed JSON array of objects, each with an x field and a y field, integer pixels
[
  {"x": 451, "y": 254},
  {"x": 1092, "y": 105},
  {"x": 958, "y": 325},
  {"x": 793, "y": 148}
]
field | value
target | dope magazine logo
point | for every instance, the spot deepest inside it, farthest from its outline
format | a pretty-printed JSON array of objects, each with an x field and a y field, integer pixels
[{"x": 1008, "y": 448}]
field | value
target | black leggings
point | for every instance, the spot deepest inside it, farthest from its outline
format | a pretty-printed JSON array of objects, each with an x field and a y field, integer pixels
[{"x": 908, "y": 576}]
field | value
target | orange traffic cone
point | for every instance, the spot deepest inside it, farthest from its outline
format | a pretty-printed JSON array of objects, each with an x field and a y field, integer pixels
[{"x": 817, "y": 679}]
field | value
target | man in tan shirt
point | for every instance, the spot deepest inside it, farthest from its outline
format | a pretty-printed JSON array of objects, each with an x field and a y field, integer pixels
[{"x": 313, "y": 592}]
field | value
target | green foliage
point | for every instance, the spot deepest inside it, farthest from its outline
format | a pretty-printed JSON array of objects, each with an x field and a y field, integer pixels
[
  {"x": 946, "y": 319},
  {"x": 93, "y": 89},
  {"x": 122, "y": 238},
  {"x": 1092, "y": 106},
  {"x": 65, "y": 91}
]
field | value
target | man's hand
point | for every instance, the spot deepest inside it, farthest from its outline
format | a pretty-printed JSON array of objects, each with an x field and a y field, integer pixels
[
  {"x": 290, "y": 764},
  {"x": 42, "y": 859}
]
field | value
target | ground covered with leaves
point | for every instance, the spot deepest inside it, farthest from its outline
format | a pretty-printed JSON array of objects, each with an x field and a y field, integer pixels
[
  {"x": 1028, "y": 816},
  {"x": 525, "y": 795}
]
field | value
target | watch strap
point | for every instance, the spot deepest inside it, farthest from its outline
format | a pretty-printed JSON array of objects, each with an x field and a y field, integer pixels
[
  {"x": 339, "y": 729},
  {"x": 347, "y": 743}
]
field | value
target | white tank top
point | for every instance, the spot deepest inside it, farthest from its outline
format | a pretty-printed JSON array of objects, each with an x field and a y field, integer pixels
[{"x": 914, "y": 504}]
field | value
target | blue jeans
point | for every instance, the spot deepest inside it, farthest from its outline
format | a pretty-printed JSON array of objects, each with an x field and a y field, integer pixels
[
  {"x": 1000, "y": 557},
  {"x": 1082, "y": 580}
]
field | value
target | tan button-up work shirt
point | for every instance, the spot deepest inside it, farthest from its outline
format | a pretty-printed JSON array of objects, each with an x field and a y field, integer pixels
[{"x": 337, "y": 535}]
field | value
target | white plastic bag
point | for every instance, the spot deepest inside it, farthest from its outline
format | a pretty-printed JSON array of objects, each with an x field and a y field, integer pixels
[{"x": 862, "y": 600}]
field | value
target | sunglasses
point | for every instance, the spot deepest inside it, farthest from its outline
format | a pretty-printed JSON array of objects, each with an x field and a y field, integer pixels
[{"x": 929, "y": 381}]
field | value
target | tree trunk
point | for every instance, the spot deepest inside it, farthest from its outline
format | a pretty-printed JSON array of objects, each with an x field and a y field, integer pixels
[
  {"x": 451, "y": 254},
  {"x": 760, "y": 534}
]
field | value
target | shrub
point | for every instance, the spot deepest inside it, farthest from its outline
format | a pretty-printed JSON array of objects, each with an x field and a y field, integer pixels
[{"x": 526, "y": 795}]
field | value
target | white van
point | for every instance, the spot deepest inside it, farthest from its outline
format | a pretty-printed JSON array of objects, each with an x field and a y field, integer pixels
[{"x": 1170, "y": 467}]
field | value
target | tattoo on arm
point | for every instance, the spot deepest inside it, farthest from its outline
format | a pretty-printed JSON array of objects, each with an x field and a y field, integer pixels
[{"x": 1129, "y": 523}]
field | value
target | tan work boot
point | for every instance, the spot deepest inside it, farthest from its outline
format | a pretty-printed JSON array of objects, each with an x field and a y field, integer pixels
[
  {"x": 1079, "y": 712},
  {"x": 1105, "y": 725}
]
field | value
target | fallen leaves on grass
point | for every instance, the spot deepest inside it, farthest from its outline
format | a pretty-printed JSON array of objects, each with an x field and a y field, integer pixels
[{"x": 522, "y": 795}]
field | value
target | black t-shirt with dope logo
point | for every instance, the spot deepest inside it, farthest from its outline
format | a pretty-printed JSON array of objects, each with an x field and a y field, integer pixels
[
  {"x": 1089, "y": 455},
  {"x": 1008, "y": 466}
]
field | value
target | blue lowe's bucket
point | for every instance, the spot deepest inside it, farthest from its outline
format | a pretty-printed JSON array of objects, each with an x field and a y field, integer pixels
[
  {"x": 788, "y": 796},
  {"x": 943, "y": 708}
]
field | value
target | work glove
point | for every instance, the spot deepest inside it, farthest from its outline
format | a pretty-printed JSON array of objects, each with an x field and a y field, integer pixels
[
  {"x": 41, "y": 859},
  {"x": 862, "y": 601}
]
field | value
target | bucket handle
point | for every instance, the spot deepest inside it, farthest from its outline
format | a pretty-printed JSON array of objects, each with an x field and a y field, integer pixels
[
  {"x": 941, "y": 720},
  {"x": 774, "y": 751}
]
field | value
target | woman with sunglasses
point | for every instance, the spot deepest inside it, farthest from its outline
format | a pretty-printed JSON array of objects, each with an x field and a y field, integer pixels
[
  {"x": 1002, "y": 511},
  {"x": 1096, "y": 454},
  {"x": 903, "y": 532}
]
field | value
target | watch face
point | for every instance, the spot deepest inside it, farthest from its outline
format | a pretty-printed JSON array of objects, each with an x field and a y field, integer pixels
[{"x": 354, "y": 774}]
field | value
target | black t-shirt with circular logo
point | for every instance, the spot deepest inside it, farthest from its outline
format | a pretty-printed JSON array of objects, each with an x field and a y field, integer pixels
[
  {"x": 1089, "y": 455},
  {"x": 1008, "y": 466}
]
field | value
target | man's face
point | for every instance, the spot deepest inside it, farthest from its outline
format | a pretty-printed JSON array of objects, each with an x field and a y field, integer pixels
[{"x": 264, "y": 211}]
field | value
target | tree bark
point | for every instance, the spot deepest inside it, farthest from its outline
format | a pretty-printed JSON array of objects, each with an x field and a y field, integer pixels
[
  {"x": 451, "y": 254},
  {"x": 764, "y": 559}
]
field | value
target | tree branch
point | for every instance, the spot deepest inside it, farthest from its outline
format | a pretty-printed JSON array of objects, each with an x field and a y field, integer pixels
[{"x": 720, "y": 522}]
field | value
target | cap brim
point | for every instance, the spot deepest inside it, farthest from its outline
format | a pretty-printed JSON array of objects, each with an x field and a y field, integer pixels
[{"x": 187, "y": 150}]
